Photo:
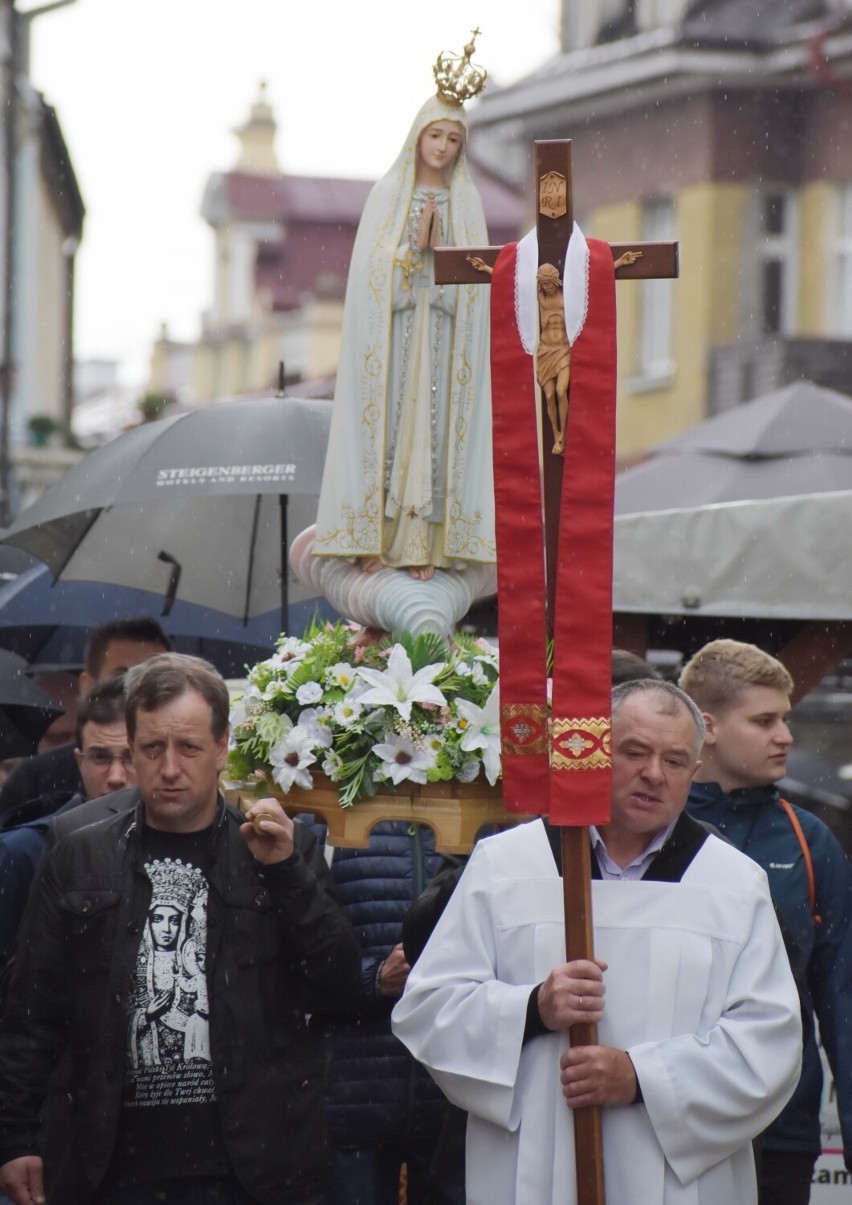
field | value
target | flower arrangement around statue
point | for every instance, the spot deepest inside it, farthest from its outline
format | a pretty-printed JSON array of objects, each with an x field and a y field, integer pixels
[{"x": 405, "y": 710}]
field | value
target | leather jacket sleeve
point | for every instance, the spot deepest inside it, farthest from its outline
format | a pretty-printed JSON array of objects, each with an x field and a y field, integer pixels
[{"x": 318, "y": 934}]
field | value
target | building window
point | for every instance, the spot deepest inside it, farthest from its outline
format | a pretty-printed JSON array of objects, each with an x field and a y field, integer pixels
[
  {"x": 655, "y": 343},
  {"x": 776, "y": 277},
  {"x": 840, "y": 321}
]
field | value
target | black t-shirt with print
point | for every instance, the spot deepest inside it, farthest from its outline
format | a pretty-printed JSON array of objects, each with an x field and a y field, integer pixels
[{"x": 169, "y": 1123}]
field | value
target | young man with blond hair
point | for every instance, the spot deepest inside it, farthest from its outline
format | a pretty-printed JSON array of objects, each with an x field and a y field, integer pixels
[{"x": 744, "y": 695}]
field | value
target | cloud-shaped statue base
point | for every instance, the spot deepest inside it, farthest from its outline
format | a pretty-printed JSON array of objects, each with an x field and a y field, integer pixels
[{"x": 391, "y": 598}]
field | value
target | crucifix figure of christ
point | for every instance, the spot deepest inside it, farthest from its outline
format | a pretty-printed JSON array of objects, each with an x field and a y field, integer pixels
[
  {"x": 573, "y": 744},
  {"x": 553, "y": 354}
]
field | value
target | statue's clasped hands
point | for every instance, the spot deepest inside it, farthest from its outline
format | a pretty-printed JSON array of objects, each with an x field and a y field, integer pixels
[{"x": 428, "y": 230}]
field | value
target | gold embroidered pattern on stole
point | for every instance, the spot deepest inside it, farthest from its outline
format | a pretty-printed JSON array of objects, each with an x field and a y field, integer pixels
[
  {"x": 581, "y": 743},
  {"x": 523, "y": 729}
]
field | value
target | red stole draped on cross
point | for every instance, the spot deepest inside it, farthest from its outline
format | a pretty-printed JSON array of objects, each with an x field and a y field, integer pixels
[{"x": 567, "y": 776}]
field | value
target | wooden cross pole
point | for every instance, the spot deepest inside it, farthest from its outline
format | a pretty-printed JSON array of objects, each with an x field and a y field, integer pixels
[{"x": 469, "y": 265}]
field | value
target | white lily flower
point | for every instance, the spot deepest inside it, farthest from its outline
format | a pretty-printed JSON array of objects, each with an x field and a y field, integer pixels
[
  {"x": 399, "y": 687},
  {"x": 403, "y": 760},
  {"x": 483, "y": 731},
  {"x": 290, "y": 759}
]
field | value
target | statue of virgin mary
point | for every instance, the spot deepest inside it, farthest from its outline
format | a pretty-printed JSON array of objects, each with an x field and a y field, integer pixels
[{"x": 408, "y": 477}]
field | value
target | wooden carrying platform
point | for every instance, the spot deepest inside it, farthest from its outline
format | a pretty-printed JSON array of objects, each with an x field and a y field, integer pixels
[{"x": 454, "y": 811}]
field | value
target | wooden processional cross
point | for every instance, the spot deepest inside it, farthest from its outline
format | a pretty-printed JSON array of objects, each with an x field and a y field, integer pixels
[{"x": 471, "y": 265}]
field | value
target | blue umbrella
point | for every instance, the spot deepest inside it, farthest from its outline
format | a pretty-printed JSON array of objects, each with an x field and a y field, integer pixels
[{"x": 49, "y": 622}]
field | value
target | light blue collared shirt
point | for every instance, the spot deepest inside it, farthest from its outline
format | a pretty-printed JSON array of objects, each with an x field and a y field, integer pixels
[{"x": 635, "y": 869}]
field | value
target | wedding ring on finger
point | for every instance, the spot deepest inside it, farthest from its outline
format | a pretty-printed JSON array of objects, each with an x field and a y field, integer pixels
[{"x": 245, "y": 804}]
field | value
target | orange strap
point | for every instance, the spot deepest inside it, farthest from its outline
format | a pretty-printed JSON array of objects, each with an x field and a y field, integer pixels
[{"x": 806, "y": 854}]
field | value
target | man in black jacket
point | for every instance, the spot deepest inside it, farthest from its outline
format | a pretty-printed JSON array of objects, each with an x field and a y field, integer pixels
[
  {"x": 178, "y": 948},
  {"x": 106, "y": 767}
]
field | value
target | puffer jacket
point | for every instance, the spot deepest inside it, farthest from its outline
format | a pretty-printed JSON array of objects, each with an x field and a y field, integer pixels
[
  {"x": 377, "y": 1092},
  {"x": 752, "y": 819}
]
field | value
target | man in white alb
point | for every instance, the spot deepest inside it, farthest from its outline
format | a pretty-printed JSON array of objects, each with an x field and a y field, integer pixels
[{"x": 699, "y": 1023}]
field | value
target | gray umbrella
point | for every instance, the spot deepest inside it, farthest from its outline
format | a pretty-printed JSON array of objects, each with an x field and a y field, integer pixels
[
  {"x": 195, "y": 507},
  {"x": 795, "y": 441},
  {"x": 745, "y": 515}
]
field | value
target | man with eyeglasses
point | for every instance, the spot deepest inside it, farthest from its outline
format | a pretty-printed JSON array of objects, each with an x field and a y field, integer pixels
[{"x": 103, "y": 756}]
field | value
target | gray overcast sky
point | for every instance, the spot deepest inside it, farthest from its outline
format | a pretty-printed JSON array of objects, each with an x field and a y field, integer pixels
[{"x": 147, "y": 92}]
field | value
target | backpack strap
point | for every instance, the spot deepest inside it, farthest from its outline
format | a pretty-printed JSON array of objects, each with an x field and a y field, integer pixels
[{"x": 806, "y": 854}]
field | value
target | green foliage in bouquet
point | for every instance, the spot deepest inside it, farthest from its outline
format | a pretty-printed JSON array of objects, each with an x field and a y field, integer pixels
[{"x": 409, "y": 708}]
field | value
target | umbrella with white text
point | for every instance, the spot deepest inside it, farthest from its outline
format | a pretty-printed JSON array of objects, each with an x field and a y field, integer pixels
[{"x": 195, "y": 507}]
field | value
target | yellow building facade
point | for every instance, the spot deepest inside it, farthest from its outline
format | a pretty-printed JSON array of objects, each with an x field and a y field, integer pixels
[{"x": 741, "y": 153}]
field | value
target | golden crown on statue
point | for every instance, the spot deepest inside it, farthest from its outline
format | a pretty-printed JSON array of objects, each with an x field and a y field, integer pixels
[{"x": 459, "y": 79}]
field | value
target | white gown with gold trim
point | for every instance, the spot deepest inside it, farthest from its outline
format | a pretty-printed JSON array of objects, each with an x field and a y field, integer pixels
[
  {"x": 698, "y": 991},
  {"x": 408, "y": 474}
]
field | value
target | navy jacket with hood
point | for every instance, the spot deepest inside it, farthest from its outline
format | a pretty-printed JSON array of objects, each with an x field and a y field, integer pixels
[
  {"x": 753, "y": 820},
  {"x": 377, "y": 1092}
]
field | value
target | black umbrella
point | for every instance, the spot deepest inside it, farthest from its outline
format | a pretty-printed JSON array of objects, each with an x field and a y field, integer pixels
[
  {"x": 194, "y": 507},
  {"x": 25, "y": 709}
]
